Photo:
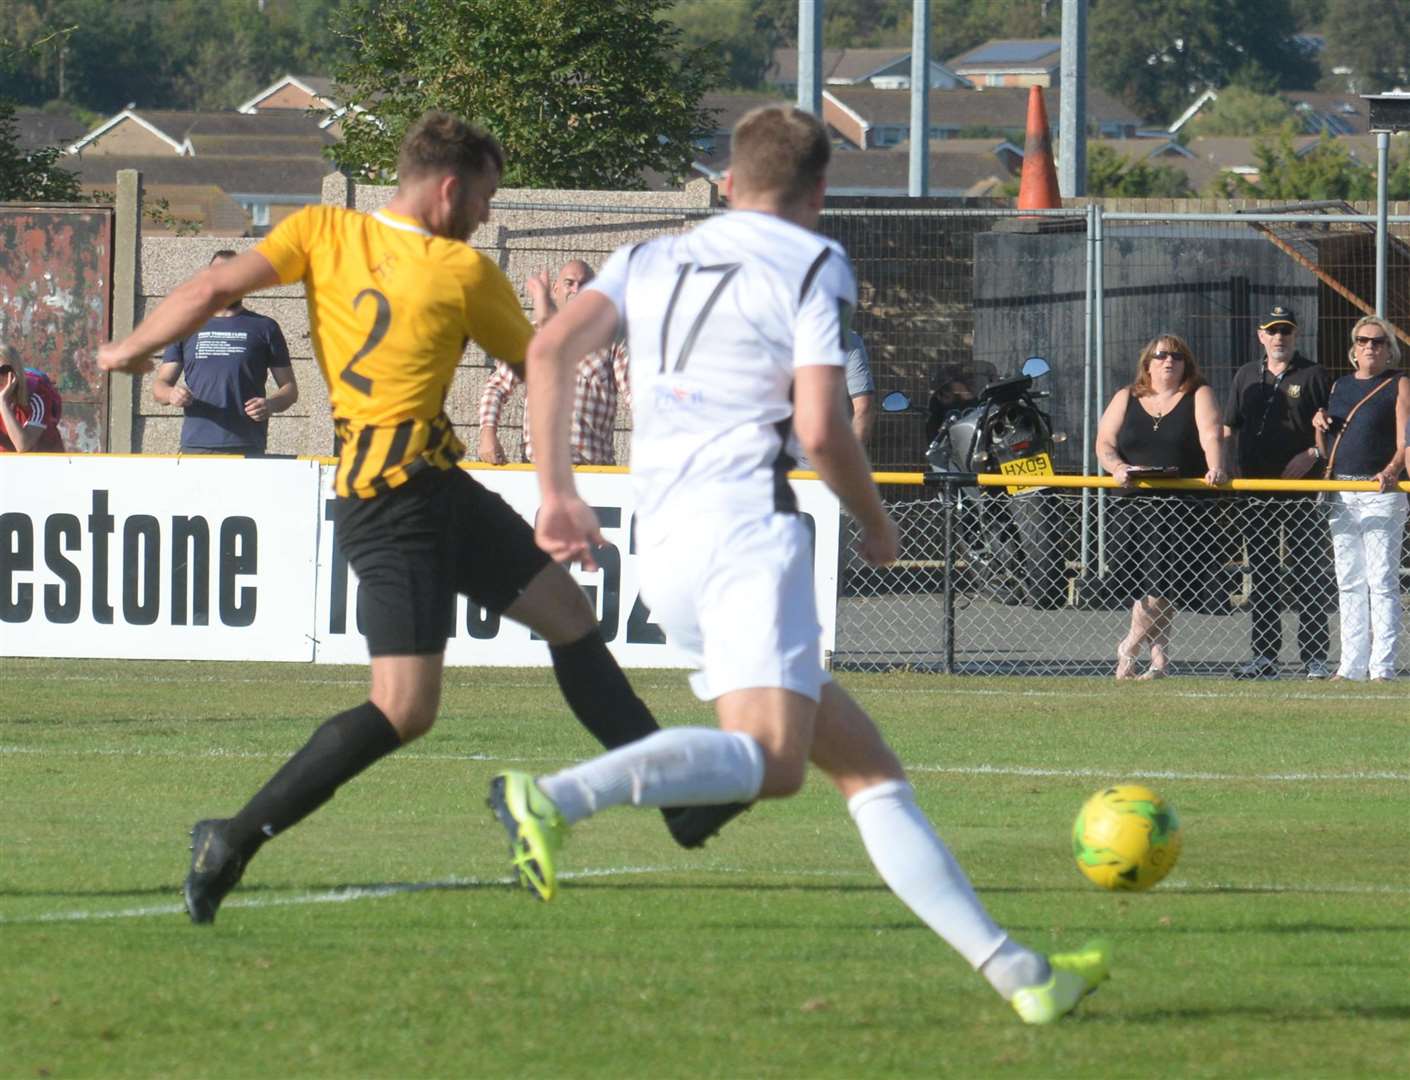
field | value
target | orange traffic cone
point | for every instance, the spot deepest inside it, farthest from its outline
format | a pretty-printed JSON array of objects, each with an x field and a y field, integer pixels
[{"x": 1038, "y": 184}]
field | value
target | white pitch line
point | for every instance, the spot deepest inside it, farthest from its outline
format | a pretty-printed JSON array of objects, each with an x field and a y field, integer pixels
[
  {"x": 331, "y": 896},
  {"x": 1263, "y": 693},
  {"x": 948, "y": 770},
  {"x": 1161, "y": 774},
  {"x": 353, "y": 894}
]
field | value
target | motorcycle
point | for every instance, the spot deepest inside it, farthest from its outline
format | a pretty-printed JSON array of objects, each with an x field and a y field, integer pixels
[{"x": 1012, "y": 537}]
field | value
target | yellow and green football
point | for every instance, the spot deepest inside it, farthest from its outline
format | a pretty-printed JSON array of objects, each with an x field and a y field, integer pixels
[{"x": 1126, "y": 838}]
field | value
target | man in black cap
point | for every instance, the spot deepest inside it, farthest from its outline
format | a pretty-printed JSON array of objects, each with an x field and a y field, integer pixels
[{"x": 1269, "y": 418}]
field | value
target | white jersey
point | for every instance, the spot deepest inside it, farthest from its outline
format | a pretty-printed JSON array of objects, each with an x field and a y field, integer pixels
[{"x": 717, "y": 320}]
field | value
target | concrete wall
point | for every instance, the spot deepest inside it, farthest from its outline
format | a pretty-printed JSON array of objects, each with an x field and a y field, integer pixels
[{"x": 521, "y": 235}]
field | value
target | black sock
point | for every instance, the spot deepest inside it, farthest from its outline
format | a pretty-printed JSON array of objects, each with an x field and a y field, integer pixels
[
  {"x": 340, "y": 749},
  {"x": 599, "y": 694}
]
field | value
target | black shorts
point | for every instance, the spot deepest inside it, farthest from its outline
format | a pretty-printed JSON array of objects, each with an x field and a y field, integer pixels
[{"x": 419, "y": 547}]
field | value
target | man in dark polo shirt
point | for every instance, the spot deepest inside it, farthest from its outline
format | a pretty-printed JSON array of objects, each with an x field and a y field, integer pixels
[
  {"x": 227, "y": 364},
  {"x": 1268, "y": 417}
]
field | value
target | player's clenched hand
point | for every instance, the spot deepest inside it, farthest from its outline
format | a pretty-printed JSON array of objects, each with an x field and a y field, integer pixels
[
  {"x": 113, "y": 357},
  {"x": 881, "y": 542},
  {"x": 568, "y": 530}
]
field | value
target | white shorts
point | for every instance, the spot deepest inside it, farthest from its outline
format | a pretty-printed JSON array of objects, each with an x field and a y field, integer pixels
[{"x": 736, "y": 596}]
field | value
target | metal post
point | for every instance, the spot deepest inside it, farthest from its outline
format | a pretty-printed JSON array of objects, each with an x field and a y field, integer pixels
[
  {"x": 1382, "y": 230},
  {"x": 127, "y": 256},
  {"x": 947, "y": 515},
  {"x": 920, "y": 99},
  {"x": 1099, "y": 361},
  {"x": 1072, "y": 111},
  {"x": 1088, "y": 345},
  {"x": 810, "y": 56}
]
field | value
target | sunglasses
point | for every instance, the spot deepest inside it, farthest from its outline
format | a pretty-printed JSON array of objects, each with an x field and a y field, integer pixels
[
  {"x": 1280, "y": 331},
  {"x": 1372, "y": 341},
  {"x": 1164, "y": 355}
]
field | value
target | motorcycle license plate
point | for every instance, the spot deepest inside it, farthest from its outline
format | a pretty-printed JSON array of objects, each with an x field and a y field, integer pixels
[{"x": 1037, "y": 465}]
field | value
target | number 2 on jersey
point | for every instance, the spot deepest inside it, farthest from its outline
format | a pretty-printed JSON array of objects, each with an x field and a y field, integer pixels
[
  {"x": 383, "y": 319},
  {"x": 699, "y": 299}
]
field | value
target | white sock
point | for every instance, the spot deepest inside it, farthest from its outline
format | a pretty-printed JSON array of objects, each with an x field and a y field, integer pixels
[
  {"x": 685, "y": 766},
  {"x": 920, "y": 870}
]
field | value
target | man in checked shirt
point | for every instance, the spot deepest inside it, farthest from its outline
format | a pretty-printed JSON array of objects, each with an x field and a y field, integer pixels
[{"x": 601, "y": 375}]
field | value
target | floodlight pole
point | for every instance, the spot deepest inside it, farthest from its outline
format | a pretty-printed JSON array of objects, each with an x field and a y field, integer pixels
[
  {"x": 1072, "y": 109},
  {"x": 1382, "y": 228},
  {"x": 920, "y": 99},
  {"x": 810, "y": 56},
  {"x": 1389, "y": 113}
]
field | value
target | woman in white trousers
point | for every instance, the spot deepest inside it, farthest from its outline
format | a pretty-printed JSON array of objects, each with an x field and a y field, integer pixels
[{"x": 1369, "y": 411}]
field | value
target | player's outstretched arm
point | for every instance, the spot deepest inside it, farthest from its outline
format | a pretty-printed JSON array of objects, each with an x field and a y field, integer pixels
[
  {"x": 566, "y": 528},
  {"x": 826, "y": 437},
  {"x": 186, "y": 309}
]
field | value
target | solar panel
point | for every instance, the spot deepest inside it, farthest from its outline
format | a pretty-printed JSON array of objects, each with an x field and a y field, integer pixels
[{"x": 1011, "y": 52}]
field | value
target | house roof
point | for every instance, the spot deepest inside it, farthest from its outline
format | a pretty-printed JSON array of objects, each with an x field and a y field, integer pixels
[
  {"x": 728, "y": 108},
  {"x": 35, "y": 129},
  {"x": 844, "y": 65},
  {"x": 316, "y": 86},
  {"x": 882, "y": 171},
  {"x": 188, "y": 132},
  {"x": 998, "y": 106},
  {"x": 300, "y": 177},
  {"x": 1338, "y": 114},
  {"x": 1009, "y": 54}
]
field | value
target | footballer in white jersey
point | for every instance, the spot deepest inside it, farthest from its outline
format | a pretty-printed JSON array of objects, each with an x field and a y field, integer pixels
[
  {"x": 718, "y": 319},
  {"x": 738, "y": 334}
]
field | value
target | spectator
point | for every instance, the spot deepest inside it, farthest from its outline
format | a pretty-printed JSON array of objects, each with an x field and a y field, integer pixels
[
  {"x": 953, "y": 389},
  {"x": 1368, "y": 413},
  {"x": 600, "y": 376},
  {"x": 861, "y": 387},
  {"x": 1269, "y": 418},
  {"x": 30, "y": 409},
  {"x": 861, "y": 395},
  {"x": 1167, "y": 420},
  {"x": 226, "y": 364}
]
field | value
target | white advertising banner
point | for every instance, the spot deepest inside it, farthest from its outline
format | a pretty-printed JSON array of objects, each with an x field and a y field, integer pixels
[
  {"x": 485, "y": 639},
  {"x": 200, "y": 558},
  {"x": 157, "y": 558}
]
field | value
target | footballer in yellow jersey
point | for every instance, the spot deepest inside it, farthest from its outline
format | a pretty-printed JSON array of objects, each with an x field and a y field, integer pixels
[
  {"x": 392, "y": 298},
  {"x": 391, "y": 306}
]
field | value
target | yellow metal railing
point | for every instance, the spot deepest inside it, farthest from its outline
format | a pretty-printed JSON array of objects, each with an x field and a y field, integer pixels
[{"x": 1000, "y": 480}]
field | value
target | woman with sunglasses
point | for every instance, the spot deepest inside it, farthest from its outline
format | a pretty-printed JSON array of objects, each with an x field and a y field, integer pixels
[
  {"x": 1159, "y": 545},
  {"x": 1368, "y": 413}
]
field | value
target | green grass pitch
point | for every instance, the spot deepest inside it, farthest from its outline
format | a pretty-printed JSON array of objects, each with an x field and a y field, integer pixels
[{"x": 381, "y": 937}]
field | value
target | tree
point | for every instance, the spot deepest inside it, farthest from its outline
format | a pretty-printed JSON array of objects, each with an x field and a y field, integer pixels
[
  {"x": 1109, "y": 174},
  {"x": 745, "y": 37},
  {"x": 1239, "y": 111},
  {"x": 31, "y": 175},
  {"x": 1370, "y": 38},
  {"x": 1327, "y": 171},
  {"x": 582, "y": 95},
  {"x": 1156, "y": 57}
]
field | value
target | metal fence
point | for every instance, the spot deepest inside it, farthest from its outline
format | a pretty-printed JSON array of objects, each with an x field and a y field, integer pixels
[
  {"x": 955, "y": 295},
  {"x": 952, "y": 297},
  {"x": 1042, "y": 583}
]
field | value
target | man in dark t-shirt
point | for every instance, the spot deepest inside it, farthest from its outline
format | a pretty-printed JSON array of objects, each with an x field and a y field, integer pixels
[
  {"x": 227, "y": 364},
  {"x": 1268, "y": 418}
]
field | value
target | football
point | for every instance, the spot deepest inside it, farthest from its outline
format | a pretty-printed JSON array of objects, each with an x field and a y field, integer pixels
[{"x": 1126, "y": 838}]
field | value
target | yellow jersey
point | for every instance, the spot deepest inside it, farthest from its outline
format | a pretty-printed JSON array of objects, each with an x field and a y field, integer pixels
[{"x": 391, "y": 307}]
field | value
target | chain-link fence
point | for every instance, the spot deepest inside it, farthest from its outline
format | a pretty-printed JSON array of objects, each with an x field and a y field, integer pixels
[
  {"x": 954, "y": 295},
  {"x": 1043, "y": 582}
]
